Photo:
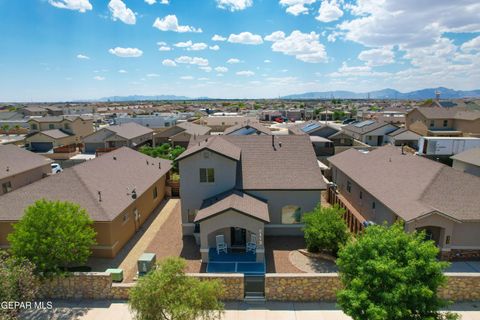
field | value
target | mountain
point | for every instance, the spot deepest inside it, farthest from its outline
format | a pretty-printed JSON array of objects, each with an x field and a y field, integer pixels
[
  {"x": 143, "y": 98},
  {"x": 445, "y": 93}
]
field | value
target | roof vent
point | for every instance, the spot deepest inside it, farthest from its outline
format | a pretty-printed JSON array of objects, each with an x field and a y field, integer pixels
[
  {"x": 100, "y": 196},
  {"x": 159, "y": 165},
  {"x": 8, "y": 168},
  {"x": 114, "y": 158},
  {"x": 147, "y": 163}
]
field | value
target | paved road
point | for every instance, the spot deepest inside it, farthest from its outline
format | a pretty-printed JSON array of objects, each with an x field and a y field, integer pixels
[{"x": 93, "y": 310}]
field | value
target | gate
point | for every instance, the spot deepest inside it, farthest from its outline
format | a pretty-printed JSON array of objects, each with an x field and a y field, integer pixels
[{"x": 254, "y": 285}]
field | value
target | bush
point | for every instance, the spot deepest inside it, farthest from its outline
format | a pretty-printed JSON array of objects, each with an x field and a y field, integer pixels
[
  {"x": 325, "y": 229},
  {"x": 53, "y": 235},
  {"x": 166, "y": 293},
  {"x": 18, "y": 283},
  {"x": 389, "y": 274}
]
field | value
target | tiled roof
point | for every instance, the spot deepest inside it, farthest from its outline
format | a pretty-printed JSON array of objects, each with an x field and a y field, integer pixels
[
  {"x": 234, "y": 200},
  {"x": 411, "y": 186},
  {"x": 114, "y": 174},
  {"x": 15, "y": 160}
]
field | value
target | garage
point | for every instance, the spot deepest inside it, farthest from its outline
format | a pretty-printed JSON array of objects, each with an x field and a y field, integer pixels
[
  {"x": 92, "y": 147},
  {"x": 41, "y": 146}
]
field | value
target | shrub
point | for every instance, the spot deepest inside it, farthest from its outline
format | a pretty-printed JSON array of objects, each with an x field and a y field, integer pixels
[{"x": 325, "y": 229}]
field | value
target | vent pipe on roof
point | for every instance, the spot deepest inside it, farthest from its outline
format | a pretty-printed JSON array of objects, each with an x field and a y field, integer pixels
[
  {"x": 114, "y": 158},
  {"x": 100, "y": 196},
  {"x": 8, "y": 168},
  {"x": 403, "y": 146},
  {"x": 159, "y": 165}
]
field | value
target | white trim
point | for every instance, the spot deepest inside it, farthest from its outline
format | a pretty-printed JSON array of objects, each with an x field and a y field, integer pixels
[{"x": 465, "y": 247}]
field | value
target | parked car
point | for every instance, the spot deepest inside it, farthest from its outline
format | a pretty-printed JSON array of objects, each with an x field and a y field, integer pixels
[{"x": 56, "y": 168}]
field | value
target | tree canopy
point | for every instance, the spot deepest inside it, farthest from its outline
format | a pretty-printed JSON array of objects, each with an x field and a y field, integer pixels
[{"x": 53, "y": 235}]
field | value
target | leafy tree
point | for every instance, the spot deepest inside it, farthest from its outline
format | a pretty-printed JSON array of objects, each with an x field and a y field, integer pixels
[
  {"x": 165, "y": 151},
  {"x": 337, "y": 115},
  {"x": 18, "y": 282},
  {"x": 325, "y": 229},
  {"x": 167, "y": 293},
  {"x": 389, "y": 274},
  {"x": 53, "y": 235}
]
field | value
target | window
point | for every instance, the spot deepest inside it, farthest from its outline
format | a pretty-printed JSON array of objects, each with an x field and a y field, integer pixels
[
  {"x": 33, "y": 126},
  {"x": 349, "y": 186},
  {"x": 167, "y": 124},
  {"x": 361, "y": 195},
  {"x": 7, "y": 187},
  {"x": 207, "y": 175},
  {"x": 445, "y": 123},
  {"x": 373, "y": 205},
  {"x": 66, "y": 126},
  {"x": 155, "y": 193},
  {"x": 291, "y": 214},
  {"x": 51, "y": 126},
  {"x": 432, "y": 123}
]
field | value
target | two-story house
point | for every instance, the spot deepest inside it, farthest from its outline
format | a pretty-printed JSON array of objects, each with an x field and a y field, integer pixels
[
  {"x": 371, "y": 132},
  {"x": 246, "y": 188}
]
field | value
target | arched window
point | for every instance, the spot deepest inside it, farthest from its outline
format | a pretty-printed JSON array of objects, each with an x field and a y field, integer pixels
[{"x": 291, "y": 214}]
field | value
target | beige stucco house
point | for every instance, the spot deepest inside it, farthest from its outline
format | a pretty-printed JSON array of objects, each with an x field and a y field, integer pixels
[
  {"x": 386, "y": 185},
  {"x": 119, "y": 190},
  {"x": 244, "y": 186},
  {"x": 371, "y": 132}
]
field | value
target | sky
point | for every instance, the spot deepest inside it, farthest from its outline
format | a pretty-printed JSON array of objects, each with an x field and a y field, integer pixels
[{"x": 60, "y": 50}]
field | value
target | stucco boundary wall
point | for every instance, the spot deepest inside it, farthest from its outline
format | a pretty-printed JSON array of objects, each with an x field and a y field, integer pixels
[{"x": 278, "y": 287}]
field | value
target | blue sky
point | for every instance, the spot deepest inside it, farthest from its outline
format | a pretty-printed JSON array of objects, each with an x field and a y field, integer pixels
[{"x": 56, "y": 50}]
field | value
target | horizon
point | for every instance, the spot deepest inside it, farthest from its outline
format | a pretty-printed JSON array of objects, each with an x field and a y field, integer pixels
[{"x": 82, "y": 50}]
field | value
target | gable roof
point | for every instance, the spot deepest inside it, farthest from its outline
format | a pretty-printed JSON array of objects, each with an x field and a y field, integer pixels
[
  {"x": 411, "y": 186},
  {"x": 234, "y": 200},
  {"x": 448, "y": 113},
  {"x": 114, "y": 174},
  {"x": 220, "y": 146},
  {"x": 194, "y": 129},
  {"x": 54, "y": 133},
  {"x": 129, "y": 130},
  {"x": 59, "y": 118},
  {"x": 15, "y": 160},
  {"x": 255, "y": 125},
  {"x": 470, "y": 156},
  {"x": 366, "y": 126}
]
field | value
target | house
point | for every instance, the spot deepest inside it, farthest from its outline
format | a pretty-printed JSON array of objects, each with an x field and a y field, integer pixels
[
  {"x": 313, "y": 128},
  {"x": 19, "y": 167},
  {"x": 130, "y": 135},
  {"x": 245, "y": 129},
  {"x": 49, "y": 132},
  {"x": 119, "y": 190},
  {"x": 246, "y": 188},
  {"x": 449, "y": 122},
  {"x": 181, "y": 134},
  {"x": 270, "y": 115},
  {"x": 403, "y": 136},
  {"x": 386, "y": 185},
  {"x": 220, "y": 122},
  {"x": 370, "y": 132},
  {"x": 54, "y": 110},
  {"x": 341, "y": 139},
  {"x": 467, "y": 161},
  {"x": 154, "y": 121},
  {"x": 34, "y": 111}
]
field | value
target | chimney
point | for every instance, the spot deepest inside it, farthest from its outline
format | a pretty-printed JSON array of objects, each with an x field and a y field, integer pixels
[{"x": 100, "y": 196}]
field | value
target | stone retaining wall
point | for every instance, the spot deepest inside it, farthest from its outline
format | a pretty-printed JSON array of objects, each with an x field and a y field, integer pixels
[{"x": 278, "y": 287}]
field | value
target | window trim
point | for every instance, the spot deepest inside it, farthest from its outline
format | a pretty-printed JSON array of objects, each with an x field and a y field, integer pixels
[
  {"x": 208, "y": 175},
  {"x": 7, "y": 187}
]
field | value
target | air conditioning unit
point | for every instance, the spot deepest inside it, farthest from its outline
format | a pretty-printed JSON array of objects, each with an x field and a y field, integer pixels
[{"x": 146, "y": 263}]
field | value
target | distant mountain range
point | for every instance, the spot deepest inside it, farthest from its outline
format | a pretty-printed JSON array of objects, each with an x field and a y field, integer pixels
[{"x": 445, "y": 93}]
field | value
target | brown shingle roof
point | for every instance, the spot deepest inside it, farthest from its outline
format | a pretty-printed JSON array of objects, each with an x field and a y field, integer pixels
[
  {"x": 257, "y": 126},
  {"x": 365, "y": 129},
  {"x": 81, "y": 183},
  {"x": 129, "y": 130},
  {"x": 448, "y": 113},
  {"x": 220, "y": 146},
  {"x": 194, "y": 129},
  {"x": 411, "y": 186},
  {"x": 470, "y": 156},
  {"x": 55, "y": 133},
  {"x": 18, "y": 160},
  {"x": 234, "y": 200}
]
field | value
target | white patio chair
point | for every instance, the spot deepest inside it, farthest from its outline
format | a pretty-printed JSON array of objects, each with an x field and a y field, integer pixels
[
  {"x": 221, "y": 245},
  {"x": 252, "y": 245}
]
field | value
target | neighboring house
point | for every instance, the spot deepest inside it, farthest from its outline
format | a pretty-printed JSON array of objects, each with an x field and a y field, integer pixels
[
  {"x": 270, "y": 115},
  {"x": 467, "y": 161},
  {"x": 449, "y": 122},
  {"x": 54, "y": 110},
  {"x": 403, "y": 136},
  {"x": 313, "y": 128},
  {"x": 155, "y": 121},
  {"x": 19, "y": 167},
  {"x": 218, "y": 123},
  {"x": 79, "y": 109},
  {"x": 130, "y": 135},
  {"x": 239, "y": 186},
  {"x": 181, "y": 134},
  {"x": 246, "y": 129},
  {"x": 44, "y": 141},
  {"x": 34, "y": 111},
  {"x": 105, "y": 187},
  {"x": 386, "y": 185},
  {"x": 341, "y": 139},
  {"x": 370, "y": 132}
]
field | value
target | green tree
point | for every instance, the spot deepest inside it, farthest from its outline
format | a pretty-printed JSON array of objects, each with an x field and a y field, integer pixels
[
  {"x": 167, "y": 293},
  {"x": 325, "y": 229},
  {"x": 53, "y": 235},
  {"x": 165, "y": 151},
  {"x": 389, "y": 274},
  {"x": 5, "y": 128},
  {"x": 18, "y": 282}
]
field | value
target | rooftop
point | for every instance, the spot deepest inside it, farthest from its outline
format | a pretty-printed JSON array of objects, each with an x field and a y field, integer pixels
[
  {"x": 15, "y": 160},
  {"x": 470, "y": 156},
  {"x": 129, "y": 130}
]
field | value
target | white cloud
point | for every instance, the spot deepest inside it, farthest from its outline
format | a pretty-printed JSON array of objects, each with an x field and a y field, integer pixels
[
  {"x": 120, "y": 11},
  {"x": 356, "y": 71},
  {"x": 153, "y": 75},
  {"x": 233, "y": 61},
  {"x": 206, "y": 68},
  {"x": 183, "y": 44},
  {"x": 169, "y": 63},
  {"x": 82, "y": 56},
  {"x": 296, "y": 7},
  {"x": 77, "y": 5},
  {"x": 377, "y": 57},
  {"x": 245, "y": 73},
  {"x": 99, "y": 78},
  {"x": 122, "y": 71},
  {"x": 234, "y": 5},
  {"x": 221, "y": 69},
  {"x": 267, "y": 61},
  {"x": 218, "y": 38},
  {"x": 198, "y": 46},
  {"x": 471, "y": 45},
  {"x": 329, "y": 11},
  {"x": 214, "y": 48},
  {"x": 245, "y": 38},
  {"x": 170, "y": 23},
  {"x": 192, "y": 60},
  {"x": 203, "y": 79},
  {"x": 304, "y": 46},
  {"x": 126, "y": 52},
  {"x": 187, "y": 78},
  {"x": 150, "y": 2},
  {"x": 162, "y": 46}
]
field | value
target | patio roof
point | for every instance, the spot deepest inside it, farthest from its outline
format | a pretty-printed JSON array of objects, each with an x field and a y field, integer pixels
[{"x": 234, "y": 200}]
